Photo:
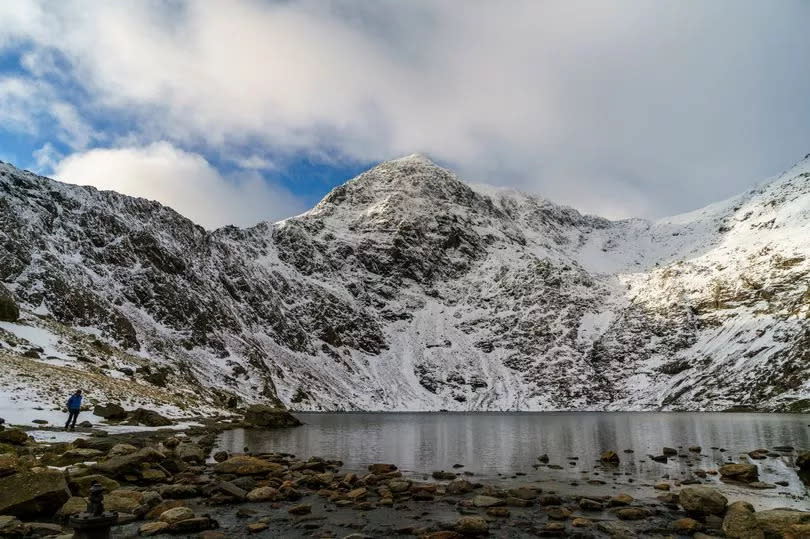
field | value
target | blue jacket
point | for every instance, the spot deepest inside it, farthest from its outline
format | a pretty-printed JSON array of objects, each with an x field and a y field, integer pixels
[{"x": 75, "y": 402}]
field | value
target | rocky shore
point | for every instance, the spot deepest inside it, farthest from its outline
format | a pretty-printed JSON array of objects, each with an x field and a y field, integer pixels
[{"x": 173, "y": 483}]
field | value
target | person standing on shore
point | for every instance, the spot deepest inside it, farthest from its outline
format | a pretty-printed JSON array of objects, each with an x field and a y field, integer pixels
[{"x": 74, "y": 406}]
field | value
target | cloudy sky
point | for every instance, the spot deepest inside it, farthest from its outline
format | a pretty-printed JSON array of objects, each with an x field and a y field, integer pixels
[{"x": 239, "y": 111}]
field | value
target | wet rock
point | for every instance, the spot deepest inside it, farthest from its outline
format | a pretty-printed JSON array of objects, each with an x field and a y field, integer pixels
[
  {"x": 179, "y": 492},
  {"x": 587, "y": 504},
  {"x": 669, "y": 452},
  {"x": 264, "y": 416},
  {"x": 620, "y": 500},
  {"x": 162, "y": 507},
  {"x": 13, "y": 437},
  {"x": 695, "y": 449},
  {"x": 776, "y": 522},
  {"x": 471, "y": 525},
  {"x": 257, "y": 527},
  {"x": 262, "y": 494},
  {"x": 518, "y": 502},
  {"x": 609, "y": 457},
  {"x": 661, "y": 486},
  {"x": 245, "y": 465},
  {"x": 550, "y": 499},
  {"x": 221, "y": 456},
  {"x": 632, "y": 513},
  {"x": 761, "y": 486},
  {"x": 580, "y": 522},
  {"x": 457, "y": 487},
  {"x": 176, "y": 514},
  {"x": 191, "y": 525},
  {"x": 379, "y": 469},
  {"x": 702, "y": 501},
  {"x": 398, "y": 486},
  {"x": 498, "y": 512},
  {"x": 553, "y": 529},
  {"x": 152, "y": 528},
  {"x": 357, "y": 494},
  {"x": 686, "y": 525},
  {"x": 44, "y": 529},
  {"x": 232, "y": 490},
  {"x": 72, "y": 456},
  {"x": 302, "y": 509},
  {"x": 131, "y": 464},
  {"x": 740, "y": 522},
  {"x": 797, "y": 531},
  {"x": 443, "y": 476},
  {"x": 745, "y": 473},
  {"x": 121, "y": 449},
  {"x": 487, "y": 501},
  {"x": 543, "y": 458},
  {"x": 28, "y": 493},
  {"x": 523, "y": 493},
  {"x": 150, "y": 418},
  {"x": 110, "y": 411},
  {"x": 615, "y": 530},
  {"x": 190, "y": 452},
  {"x": 659, "y": 458},
  {"x": 759, "y": 454},
  {"x": 558, "y": 513}
]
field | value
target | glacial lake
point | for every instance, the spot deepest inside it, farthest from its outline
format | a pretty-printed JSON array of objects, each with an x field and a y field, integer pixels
[{"x": 496, "y": 446}]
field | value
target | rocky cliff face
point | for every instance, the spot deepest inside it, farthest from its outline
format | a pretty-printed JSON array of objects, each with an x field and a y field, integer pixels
[{"x": 407, "y": 289}]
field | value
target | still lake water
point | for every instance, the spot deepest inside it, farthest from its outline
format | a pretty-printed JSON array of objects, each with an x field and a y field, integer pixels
[{"x": 489, "y": 444}]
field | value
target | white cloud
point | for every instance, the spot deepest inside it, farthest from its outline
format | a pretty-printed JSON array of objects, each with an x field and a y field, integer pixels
[
  {"x": 658, "y": 106},
  {"x": 182, "y": 180}
]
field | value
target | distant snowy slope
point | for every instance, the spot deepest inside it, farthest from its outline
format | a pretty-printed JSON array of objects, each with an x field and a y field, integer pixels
[{"x": 407, "y": 289}]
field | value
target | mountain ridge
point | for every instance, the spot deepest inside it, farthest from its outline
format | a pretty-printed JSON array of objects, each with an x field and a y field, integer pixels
[{"x": 407, "y": 289}]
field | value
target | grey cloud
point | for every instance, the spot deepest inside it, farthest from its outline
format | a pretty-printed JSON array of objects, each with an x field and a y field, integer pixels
[{"x": 622, "y": 108}]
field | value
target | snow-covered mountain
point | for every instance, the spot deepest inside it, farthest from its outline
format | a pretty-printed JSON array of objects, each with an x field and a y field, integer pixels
[{"x": 407, "y": 289}]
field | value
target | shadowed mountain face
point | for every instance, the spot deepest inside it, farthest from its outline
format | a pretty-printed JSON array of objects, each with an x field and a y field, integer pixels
[{"x": 407, "y": 289}]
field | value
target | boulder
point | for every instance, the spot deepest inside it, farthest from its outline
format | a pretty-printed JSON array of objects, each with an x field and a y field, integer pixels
[
  {"x": 776, "y": 522},
  {"x": 459, "y": 486},
  {"x": 190, "y": 452},
  {"x": 740, "y": 522},
  {"x": 176, "y": 514},
  {"x": 110, "y": 411},
  {"x": 245, "y": 465},
  {"x": 9, "y": 310},
  {"x": 150, "y": 418},
  {"x": 702, "y": 501},
  {"x": 261, "y": 415},
  {"x": 80, "y": 486},
  {"x": 9, "y": 464},
  {"x": 121, "y": 449},
  {"x": 73, "y": 456},
  {"x": 123, "y": 500},
  {"x": 632, "y": 513},
  {"x": 745, "y": 473},
  {"x": 131, "y": 464},
  {"x": 262, "y": 494},
  {"x": 38, "y": 494},
  {"x": 74, "y": 506},
  {"x": 472, "y": 525},
  {"x": 13, "y": 437}
]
